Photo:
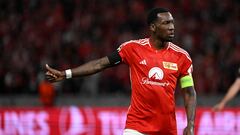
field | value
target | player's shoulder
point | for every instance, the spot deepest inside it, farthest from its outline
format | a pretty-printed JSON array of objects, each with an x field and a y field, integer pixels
[
  {"x": 141, "y": 42},
  {"x": 135, "y": 43},
  {"x": 178, "y": 50}
]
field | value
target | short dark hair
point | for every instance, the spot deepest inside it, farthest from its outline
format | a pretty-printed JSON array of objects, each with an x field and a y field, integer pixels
[{"x": 152, "y": 14}]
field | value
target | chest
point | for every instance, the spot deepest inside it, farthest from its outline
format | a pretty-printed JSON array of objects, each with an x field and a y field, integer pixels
[{"x": 158, "y": 64}]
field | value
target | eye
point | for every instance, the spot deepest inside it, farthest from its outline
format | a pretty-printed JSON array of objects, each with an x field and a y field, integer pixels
[
  {"x": 165, "y": 22},
  {"x": 168, "y": 22}
]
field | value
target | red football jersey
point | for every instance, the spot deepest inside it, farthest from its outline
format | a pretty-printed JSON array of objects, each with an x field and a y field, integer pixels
[{"x": 154, "y": 75}]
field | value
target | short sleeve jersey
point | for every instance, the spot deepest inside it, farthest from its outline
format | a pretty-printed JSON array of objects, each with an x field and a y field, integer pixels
[{"x": 153, "y": 75}]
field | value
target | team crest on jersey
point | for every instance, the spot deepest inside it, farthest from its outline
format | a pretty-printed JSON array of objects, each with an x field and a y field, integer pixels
[{"x": 170, "y": 65}]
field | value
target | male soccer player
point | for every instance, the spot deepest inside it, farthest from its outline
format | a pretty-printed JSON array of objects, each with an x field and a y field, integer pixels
[
  {"x": 232, "y": 92},
  {"x": 156, "y": 64}
]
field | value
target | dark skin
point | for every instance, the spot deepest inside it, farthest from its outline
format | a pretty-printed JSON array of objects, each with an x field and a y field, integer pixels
[{"x": 162, "y": 32}]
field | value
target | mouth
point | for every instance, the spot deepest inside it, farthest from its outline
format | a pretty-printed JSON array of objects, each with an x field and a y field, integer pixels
[{"x": 171, "y": 35}]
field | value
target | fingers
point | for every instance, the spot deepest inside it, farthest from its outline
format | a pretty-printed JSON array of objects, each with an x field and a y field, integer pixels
[
  {"x": 50, "y": 76},
  {"x": 53, "y": 71},
  {"x": 49, "y": 68},
  {"x": 185, "y": 131},
  {"x": 188, "y": 131},
  {"x": 214, "y": 108},
  {"x": 53, "y": 75},
  {"x": 217, "y": 108},
  {"x": 50, "y": 79}
]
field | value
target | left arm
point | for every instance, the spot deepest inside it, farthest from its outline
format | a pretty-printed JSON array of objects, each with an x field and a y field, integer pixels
[
  {"x": 189, "y": 93},
  {"x": 190, "y": 102}
]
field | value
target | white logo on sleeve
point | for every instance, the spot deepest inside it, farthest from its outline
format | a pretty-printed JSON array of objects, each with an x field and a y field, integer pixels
[{"x": 155, "y": 75}]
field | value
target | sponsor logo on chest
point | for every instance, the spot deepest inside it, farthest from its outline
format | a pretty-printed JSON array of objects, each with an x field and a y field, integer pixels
[{"x": 155, "y": 76}]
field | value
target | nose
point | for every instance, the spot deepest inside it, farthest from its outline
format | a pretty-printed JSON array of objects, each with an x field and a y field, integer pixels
[{"x": 171, "y": 27}]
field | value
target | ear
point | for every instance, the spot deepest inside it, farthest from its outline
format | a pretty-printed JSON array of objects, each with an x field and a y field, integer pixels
[{"x": 152, "y": 27}]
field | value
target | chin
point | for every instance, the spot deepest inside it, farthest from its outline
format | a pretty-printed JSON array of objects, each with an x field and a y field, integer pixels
[{"x": 169, "y": 40}]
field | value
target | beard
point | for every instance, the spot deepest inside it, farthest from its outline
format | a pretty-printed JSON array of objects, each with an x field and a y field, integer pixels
[
  {"x": 164, "y": 37},
  {"x": 168, "y": 39}
]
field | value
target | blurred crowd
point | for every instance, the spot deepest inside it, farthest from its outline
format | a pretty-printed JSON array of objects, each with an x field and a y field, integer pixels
[{"x": 67, "y": 33}]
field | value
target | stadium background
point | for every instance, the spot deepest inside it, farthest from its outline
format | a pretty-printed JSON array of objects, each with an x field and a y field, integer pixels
[{"x": 67, "y": 33}]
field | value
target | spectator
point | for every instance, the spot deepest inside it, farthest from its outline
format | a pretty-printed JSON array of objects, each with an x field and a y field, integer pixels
[{"x": 47, "y": 94}]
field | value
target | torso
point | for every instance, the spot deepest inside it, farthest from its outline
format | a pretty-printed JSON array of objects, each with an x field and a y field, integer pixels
[{"x": 154, "y": 75}]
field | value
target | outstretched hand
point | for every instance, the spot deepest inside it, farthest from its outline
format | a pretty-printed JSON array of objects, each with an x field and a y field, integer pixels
[
  {"x": 53, "y": 75},
  {"x": 218, "y": 107}
]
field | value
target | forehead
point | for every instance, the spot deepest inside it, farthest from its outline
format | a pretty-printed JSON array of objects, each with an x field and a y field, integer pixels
[{"x": 164, "y": 16}]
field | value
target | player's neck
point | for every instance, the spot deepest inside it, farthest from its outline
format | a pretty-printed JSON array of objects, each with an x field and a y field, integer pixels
[{"x": 158, "y": 44}]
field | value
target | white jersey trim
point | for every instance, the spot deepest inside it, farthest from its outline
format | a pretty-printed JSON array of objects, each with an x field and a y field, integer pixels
[
  {"x": 142, "y": 42},
  {"x": 178, "y": 49}
]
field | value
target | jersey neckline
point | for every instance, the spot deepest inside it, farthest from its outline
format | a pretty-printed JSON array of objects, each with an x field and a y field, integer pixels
[{"x": 158, "y": 50}]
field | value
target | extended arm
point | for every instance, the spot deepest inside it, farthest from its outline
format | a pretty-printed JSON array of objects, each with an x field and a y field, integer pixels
[
  {"x": 88, "y": 68},
  {"x": 232, "y": 92},
  {"x": 190, "y": 102}
]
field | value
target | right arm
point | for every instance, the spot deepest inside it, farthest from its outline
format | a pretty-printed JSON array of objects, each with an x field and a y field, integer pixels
[
  {"x": 91, "y": 67},
  {"x": 232, "y": 92},
  {"x": 88, "y": 68}
]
